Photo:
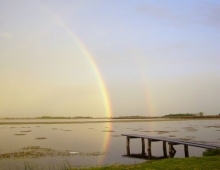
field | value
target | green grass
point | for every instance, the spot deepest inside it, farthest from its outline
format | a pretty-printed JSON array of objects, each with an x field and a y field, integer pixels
[
  {"x": 212, "y": 152},
  {"x": 192, "y": 163}
]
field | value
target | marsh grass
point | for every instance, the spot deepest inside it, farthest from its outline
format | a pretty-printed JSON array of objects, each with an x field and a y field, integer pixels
[
  {"x": 212, "y": 152},
  {"x": 40, "y": 138},
  {"x": 107, "y": 131},
  {"x": 26, "y": 131},
  {"x": 64, "y": 165}
]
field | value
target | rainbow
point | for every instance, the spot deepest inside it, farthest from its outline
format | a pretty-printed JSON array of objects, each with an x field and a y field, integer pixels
[
  {"x": 147, "y": 89},
  {"x": 97, "y": 73},
  {"x": 88, "y": 56}
]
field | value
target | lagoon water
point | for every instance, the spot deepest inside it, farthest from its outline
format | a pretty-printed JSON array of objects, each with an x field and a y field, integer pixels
[{"x": 97, "y": 143}]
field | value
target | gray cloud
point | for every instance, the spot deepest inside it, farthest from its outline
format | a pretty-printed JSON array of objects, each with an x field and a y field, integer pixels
[
  {"x": 204, "y": 13},
  {"x": 154, "y": 11},
  {"x": 209, "y": 14}
]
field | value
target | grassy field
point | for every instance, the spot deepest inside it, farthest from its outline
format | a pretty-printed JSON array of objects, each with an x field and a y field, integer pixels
[{"x": 192, "y": 163}]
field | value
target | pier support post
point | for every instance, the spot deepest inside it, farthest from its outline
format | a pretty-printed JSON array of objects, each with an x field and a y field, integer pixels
[
  {"x": 149, "y": 149},
  {"x": 143, "y": 146},
  {"x": 128, "y": 145},
  {"x": 164, "y": 149},
  {"x": 172, "y": 150},
  {"x": 186, "y": 151}
]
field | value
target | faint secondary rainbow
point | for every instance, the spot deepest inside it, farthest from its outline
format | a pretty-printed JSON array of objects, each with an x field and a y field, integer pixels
[
  {"x": 89, "y": 57},
  {"x": 149, "y": 105}
]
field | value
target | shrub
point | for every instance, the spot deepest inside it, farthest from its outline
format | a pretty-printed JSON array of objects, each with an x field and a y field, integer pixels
[{"x": 211, "y": 152}]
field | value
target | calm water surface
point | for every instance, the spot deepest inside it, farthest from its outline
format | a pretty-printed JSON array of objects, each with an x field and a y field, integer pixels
[{"x": 102, "y": 138}]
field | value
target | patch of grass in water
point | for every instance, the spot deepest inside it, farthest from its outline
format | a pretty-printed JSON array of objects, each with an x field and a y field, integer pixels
[
  {"x": 107, "y": 131},
  {"x": 185, "y": 139},
  {"x": 162, "y": 132},
  {"x": 41, "y": 138},
  {"x": 26, "y": 131},
  {"x": 31, "y": 147},
  {"x": 137, "y": 129},
  {"x": 38, "y": 152},
  {"x": 215, "y": 126},
  {"x": 190, "y": 129},
  {"x": 116, "y": 136},
  {"x": 190, "y": 136},
  {"x": 65, "y": 165}
]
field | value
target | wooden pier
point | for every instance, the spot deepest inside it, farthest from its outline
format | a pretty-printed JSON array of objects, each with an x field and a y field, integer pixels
[{"x": 171, "y": 142}]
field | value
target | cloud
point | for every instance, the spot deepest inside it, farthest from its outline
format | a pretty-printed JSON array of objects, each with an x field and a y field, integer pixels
[
  {"x": 210, "y": 14},
  {"x": 203, "y": 13},
  {"x": 155, "y": 11},
  {"x": 5, "y": 35}
]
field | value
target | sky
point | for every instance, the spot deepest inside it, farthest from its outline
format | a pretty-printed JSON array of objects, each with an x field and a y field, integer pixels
[{"x": 104, "y": 58}]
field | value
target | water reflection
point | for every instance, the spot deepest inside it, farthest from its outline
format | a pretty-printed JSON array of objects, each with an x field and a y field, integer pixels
[{"x": 98, "y": 143}]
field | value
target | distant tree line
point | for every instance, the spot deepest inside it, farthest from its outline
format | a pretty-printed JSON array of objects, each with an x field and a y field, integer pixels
[
  {"x": 185, "y": 114},
  {"x": 130, "y": 117},
  {"x": 63, "y": 117}
]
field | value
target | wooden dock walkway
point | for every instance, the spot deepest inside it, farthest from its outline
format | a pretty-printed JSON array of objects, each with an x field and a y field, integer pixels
[{"x": 171, "y": 142}]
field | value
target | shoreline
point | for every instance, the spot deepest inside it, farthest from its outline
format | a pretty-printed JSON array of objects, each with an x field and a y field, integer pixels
[{"x": 104, "y": 121}]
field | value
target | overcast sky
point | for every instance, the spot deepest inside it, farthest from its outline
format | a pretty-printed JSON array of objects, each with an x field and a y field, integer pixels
[{"x": 155, "y": 57}]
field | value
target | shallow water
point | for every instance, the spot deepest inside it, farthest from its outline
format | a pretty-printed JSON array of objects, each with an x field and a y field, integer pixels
[{"x": 99, "y": 143}]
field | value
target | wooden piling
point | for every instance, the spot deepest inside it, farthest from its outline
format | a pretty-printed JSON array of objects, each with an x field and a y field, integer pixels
[
  {"x": 128, "y": 145},
  {"x": 164, "y": 149},
  {"x": 143, "y": 146},
  {"x": 186, "y": 151},
  {"x": 172, "y": 150},
  {"x": 149, "y": 149}
]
